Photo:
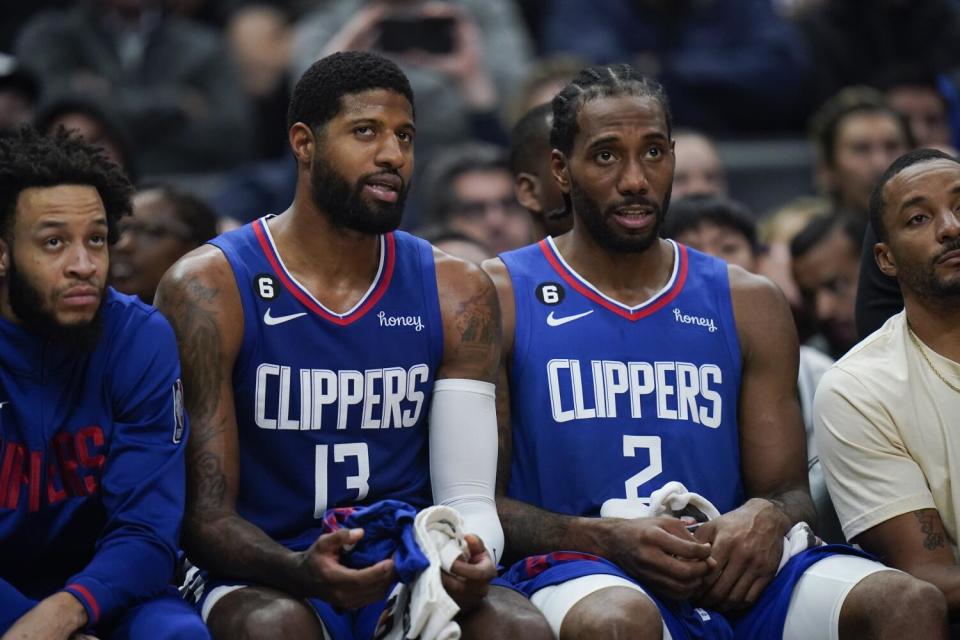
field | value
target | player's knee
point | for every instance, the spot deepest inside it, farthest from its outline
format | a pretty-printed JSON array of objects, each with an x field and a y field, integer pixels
[
  {"x": 890, "y": 602},
  {"x": 505, "y": 613},
  {"x": 613, "y": 613},
  {"x": 284, "y": 618},
  {"x": 254, "y": 615}
]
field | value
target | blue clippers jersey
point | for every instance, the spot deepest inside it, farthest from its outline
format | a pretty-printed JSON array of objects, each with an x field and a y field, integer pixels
[
  {"x": 331, "y": 408},
  {"x": 91, "y": 460},
  {"x": 613, "y": 402}
]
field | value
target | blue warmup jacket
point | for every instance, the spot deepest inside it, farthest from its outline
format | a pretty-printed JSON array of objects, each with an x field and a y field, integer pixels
[{"x": 91, "y": 461}]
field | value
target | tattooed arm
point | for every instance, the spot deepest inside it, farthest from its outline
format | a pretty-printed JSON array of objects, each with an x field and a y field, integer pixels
[
  {"x": 918, "y": 544},
  {"x": 463, "y": 429},
  {"x": 199, "y": 297},
  {"x": 658, "y": 551}
]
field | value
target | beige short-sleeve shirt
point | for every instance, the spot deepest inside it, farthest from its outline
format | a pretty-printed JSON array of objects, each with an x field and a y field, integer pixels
[{"x": 888, "y": 431}]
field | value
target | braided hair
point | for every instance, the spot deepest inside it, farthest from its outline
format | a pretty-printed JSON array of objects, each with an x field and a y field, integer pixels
[{"x": 596, "y": 82}]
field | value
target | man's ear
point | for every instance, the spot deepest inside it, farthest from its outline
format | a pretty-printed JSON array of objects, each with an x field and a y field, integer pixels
[
  {"x": 303, "y": 142},
  {"x": 885, "y": 259},
  {"x": 560, "y": 170},
  {"x": 527, "y": 188},
  {"x": 4, "y": 258}
]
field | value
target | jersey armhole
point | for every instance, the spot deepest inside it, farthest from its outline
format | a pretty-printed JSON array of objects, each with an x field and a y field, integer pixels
[
  {"x": 247, "y": 310},
  {"x": 521, "y": 324},
  {"x": 431, "y": 294},
  {"x": 724, "y": 298}
]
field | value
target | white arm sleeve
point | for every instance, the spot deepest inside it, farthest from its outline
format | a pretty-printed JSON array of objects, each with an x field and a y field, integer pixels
[{"x": 463, "y": 456}]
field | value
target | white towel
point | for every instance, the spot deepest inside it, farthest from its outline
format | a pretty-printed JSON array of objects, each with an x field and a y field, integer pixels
[
  {"x": 673, "y": 499},
  {"x": 423, "y": 609}
]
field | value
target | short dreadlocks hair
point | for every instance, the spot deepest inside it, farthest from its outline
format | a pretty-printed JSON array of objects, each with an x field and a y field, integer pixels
[
  {"x": 317, "y": 95},
  {"x": 878, "y": 203},
  {"x": 596, "y": 82},
  {"x": 30, "y": 159}
]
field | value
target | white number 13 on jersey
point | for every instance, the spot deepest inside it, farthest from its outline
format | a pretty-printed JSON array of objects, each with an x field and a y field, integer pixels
[{"x": 358, "y": 482}]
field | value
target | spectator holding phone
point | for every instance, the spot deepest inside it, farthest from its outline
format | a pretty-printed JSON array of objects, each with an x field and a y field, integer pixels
[{"x": 463, "y": 56}]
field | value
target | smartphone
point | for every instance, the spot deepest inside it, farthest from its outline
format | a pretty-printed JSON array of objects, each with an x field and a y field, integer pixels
[{"x": 401, "y": 33}]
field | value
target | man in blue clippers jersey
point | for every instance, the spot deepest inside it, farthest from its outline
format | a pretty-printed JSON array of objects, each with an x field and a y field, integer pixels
[
  {"x": 331, "y": 361},
  {"x": 634, "y": 361},
  {"x": 92, "y": 426}
]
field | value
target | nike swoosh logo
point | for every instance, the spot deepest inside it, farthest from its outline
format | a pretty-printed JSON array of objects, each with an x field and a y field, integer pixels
[
  {"x": 556, "y": 322},
  {"x": 271, "y": 321}
]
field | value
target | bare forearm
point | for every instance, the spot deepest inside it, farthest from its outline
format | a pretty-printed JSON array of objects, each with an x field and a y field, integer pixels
[
  {"x": 795, "y": 505},
  {"x": 229, "y": 546},
  {"x": 57, "y": 616},
  {"x": 219, "y": 540},
  {"x": 530, "y": 530}
]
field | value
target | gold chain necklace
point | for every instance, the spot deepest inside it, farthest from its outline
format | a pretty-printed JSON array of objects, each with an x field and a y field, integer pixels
[{"x": 916, "y": 342}]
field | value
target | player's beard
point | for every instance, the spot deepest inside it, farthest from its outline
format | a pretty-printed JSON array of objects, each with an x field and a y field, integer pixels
[
  {"x": 597, "y": 222},
  {"x": 27, "y": 304},
  {"x": 923, "y": 279},
  {"x": 345, "y": 203}
]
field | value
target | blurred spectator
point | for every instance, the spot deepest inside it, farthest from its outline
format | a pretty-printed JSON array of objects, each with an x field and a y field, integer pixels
[
  {"x": 470, "y": 189},
  {"x": 916, "y": 96},
  {"x": 260, "y": 39},
  {"x": 170, "y": 81},
  {"x": 19, "y": 91},
  {"x": 713, "y": 57},
  {"x": 698, "y": 169},
  {"x": 826, "y": 266},
  {"x": 857, "y": 136},
  {"x": 95, "y": 123},
  {"x": 257, "y": 189},
  {"x": 456, "y": 244},
  {"x": 726, "y": 229},
  {"x": 544, "y": 80},
  {"x": 776, "y": 232},
  {"x": 533, "y": 180},
  {"x": 852, "y": 41},
  {"x": 716, "y": 226},
  {"x": 462, "y": 58},
  {"x": 165, "y": 224}
]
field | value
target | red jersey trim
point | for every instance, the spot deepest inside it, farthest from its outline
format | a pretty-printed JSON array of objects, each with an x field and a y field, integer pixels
[
  {"x": 650, "y": 307},
  {"x": 307, "y": 300},
  {"x": 91, "y": 602}
]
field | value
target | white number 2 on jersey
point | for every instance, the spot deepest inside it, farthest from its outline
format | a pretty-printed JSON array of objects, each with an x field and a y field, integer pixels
[
  {"x": 649, "y": 472},
  {"x": 622, "y": 506},
  {"x": 358, "y": 482}
]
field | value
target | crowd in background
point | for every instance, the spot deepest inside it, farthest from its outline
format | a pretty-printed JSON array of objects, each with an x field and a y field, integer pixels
[{"x": 786, "y": 110}]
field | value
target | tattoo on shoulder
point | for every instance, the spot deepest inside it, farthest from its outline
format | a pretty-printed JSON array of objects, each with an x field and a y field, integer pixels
[
  {"x": 934, "y": 539},
  {"x": 476, "y": 320},
  {"x": 199, "y": 338},
  {"x": 200, "y": 291}
]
